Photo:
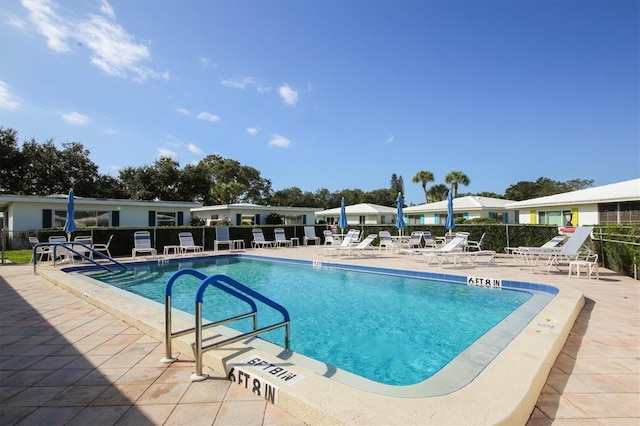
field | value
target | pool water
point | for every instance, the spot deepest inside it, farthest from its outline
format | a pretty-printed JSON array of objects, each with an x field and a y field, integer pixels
[{"x": 392, "y": 329}]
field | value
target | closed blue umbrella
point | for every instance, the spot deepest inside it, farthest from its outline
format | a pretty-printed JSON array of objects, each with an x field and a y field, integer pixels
[
  {"x": 342, "y": 222},
  {"x": 400, "y": 217},
  {"x": 450, "y": 223},
  {"x": 69, "y": 224}
]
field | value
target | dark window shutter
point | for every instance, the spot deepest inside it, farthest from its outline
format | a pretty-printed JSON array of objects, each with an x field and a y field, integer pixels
[
  {"x": 115, "y": 218},
  {"x": 257, "y": 219},
  {"x": 180, "y": 218},
  {"x": 238, "y": 219},
  {"x": 47, "y": 218},
  {"x": 152, "y": 218}
]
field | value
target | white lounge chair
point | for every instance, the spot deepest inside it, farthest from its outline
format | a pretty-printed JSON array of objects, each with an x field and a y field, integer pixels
[
  {"x": 414, "y": 241},
  {"x": 222, "y": 237},
  {"x": 476, "y": 245},
  {"x": 59, "y": 251},
  {"x": 329, "y": 239},
  {"x": 569, "y": 251},
  {"x": 347, "y": 241},
  {"x": 142, "y": 244},
  {"x": 281, "y": 238},
  {"x": 310, "y": 235},
  {"x": 386, "y": 241},
  {"x": 365, "y": 246},
  {"x": 187, "y": 244},
  {"x": 520, "y": 252},
  {"x": 429, "y": 241},
  {"x": 456, "y": 244},
  {"x": 103, "y": 248},
  {"x": 41, "y": 251},
  {"x": 259, "y": 241}
]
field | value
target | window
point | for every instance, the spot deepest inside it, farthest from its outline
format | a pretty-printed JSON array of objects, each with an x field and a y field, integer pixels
[
  {"x": 166, "y": 219},
  {"x": 555, "y": 217},
  {"x": 414, "y": 219},
  {"x": 83, "y": 218},
  {"x": 362, "y": 220},
  {"x": 628, "y": 212}
]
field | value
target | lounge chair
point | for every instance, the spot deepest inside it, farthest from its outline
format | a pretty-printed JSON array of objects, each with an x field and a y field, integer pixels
[
  {"x": 281, "y": 238},
  {"x": 58, "y": 250},
  {"x": 87, "y": 240},
  {"x": 259, "y": 241},
  {"x": 41, "y": 251},
  {"x": 363, "y": 247},
  {"x": 329, "y": 239},
  {"x": 456, "y": 244},
  {"x": 517, "y": 251},
  {"x": 222, "y": 237},
  {"x": 104, "y": 248},
  {"x": 476, "y": 245},
  {"x": 429, "y": 241},
  {"x": 310, "y": 235},
  {"x": 347, "y": 242},
  {"x": 142, "y": 244},
  {"x": 187, "y": 244},
  {"x": 569, "y": 251},
  {"x": 386, "y": 241},
  {"x": 414, "y": 241}
]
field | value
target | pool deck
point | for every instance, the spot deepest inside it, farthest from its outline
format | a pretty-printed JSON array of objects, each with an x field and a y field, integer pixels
[{"x": 65, "y": 361}]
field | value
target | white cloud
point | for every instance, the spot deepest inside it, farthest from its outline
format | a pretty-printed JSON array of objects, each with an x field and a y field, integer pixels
[
  {"x": 108, "y": 131},
  {"x": 166, "y": 153},
  {"x": 183, "y": 111},
  {"x": 76, "y": 119},
  {"x": 204, "y": 61},
  {"x": 194, "y": 149},
  {"x": 279, "y": 141},
  {"x": 245, "y": 82},
  {"x": 252, "y": 131},
  {"x": 106, "y": 8},
  {"x": 208, "y": 117},
  {"x": 8, "y": 100},
  {"x": 114, "y": 50},
  {"x": 390, "y": 139},
  {"x": 288, "y": 94}
]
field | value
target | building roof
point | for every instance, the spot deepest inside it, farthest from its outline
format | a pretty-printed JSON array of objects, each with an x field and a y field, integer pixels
[
  {"x": 61, "y": 199},
  {"x": 467, "y": 203},
  {"x": 250, "y": 207},
  {"x": 616, "y": 192},
  {"x": 362, "y": 208}
]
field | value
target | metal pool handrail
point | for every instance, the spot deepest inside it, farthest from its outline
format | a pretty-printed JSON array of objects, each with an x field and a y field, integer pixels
[
  {"x": 69, "y": 246},
  {"x": 168, "y": 289},
  {"x": 228, "y": 281}
]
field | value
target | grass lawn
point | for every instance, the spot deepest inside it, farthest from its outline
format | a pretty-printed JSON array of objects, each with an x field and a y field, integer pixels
[{"x": 18, "y": 256}]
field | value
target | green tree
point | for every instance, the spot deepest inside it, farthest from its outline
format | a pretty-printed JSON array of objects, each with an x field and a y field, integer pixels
[
  {"x": 382, "y": 196},
  {"x": 456, "y": 178},
  {"x": 423, "y": 177},
  {"x": 438, "y": 192},
  {"x": 397, "y": 184},
  {"x": 11, "y": 163}
]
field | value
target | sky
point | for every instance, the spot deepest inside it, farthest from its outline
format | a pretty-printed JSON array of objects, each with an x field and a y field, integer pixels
[{"x": 335, "y": 94}]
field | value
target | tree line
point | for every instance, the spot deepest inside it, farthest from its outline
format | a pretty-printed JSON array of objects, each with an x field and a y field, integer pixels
[{"x": 43, "y": 169}]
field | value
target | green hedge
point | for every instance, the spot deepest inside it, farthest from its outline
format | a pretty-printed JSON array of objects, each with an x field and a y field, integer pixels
[{"x": 618, "y": 248}]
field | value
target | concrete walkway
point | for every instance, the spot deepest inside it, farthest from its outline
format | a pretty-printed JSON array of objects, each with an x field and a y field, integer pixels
[{"x": 63, "y": 361}]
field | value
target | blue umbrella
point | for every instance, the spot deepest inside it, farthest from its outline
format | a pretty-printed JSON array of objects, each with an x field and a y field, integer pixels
[
  {"x": 69, "y": 224},
  {"x": 450, "y": 223},
  {"x": 342, "y": 223},
  {"x": 400, "y": 219}
]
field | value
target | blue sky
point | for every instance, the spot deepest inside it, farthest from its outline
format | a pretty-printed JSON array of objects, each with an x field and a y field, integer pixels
[{"x": 333, "y": 94}]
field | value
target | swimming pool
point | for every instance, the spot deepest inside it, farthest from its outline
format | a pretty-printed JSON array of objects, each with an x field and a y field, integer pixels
[{"x": 392, "y": 327}]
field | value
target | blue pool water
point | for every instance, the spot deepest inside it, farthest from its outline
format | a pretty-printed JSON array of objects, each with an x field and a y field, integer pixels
[{"x": 393, "y": 329}]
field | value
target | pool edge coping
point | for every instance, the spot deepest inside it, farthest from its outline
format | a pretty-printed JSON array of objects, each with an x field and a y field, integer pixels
[{"x": 314, "y": 398}]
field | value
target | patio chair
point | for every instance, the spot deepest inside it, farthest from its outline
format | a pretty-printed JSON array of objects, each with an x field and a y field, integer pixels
[
  {"x": 386, "y": 241},
  {"x": 429, "y": 241},
  {"x": 520, "y": 252},
  {"x": 103, "y": 248},
  {"x": 414, "y": 241},
  {"x": 259, "y": 241},
  {"x": 476, "y": 245},
  {"x": 87, "y": 240},
  {"x": 329, "y": 238},
  {"x": 590, "y": 263},
  {"x": 187, "y": 244},
  {"x": 41, "y": 251},
  {"x": 569, "y": 251},
  {"x": 455, "y": 245},
  {"x": 365, "y": 246},
  {"x": 347, "y": 241},
  {"x": 310, "y": 235},
  {"x": 222, "y": 237},
  {"x": 281, "y": 238},
  {"x": 142, "y": 244}
]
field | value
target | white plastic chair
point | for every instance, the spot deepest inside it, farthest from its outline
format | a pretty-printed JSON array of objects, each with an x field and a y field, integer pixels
[{"x": 142, "y": 244}]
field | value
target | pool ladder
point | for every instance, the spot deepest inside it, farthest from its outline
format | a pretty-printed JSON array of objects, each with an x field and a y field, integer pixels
[{"x": 229, "y": 286}]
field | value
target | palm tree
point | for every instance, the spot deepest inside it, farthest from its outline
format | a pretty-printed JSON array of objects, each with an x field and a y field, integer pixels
[
  {"x": 422, "y": 177},
  {"x": 438, "y": 192},
  {"x": 455, "y": 178}
]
